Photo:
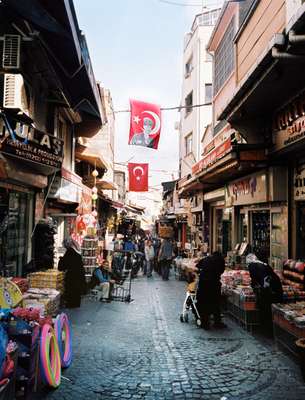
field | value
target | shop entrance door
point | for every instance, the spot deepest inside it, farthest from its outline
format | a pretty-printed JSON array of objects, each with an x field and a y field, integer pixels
[
  {"x": 260, "y": 241},
  {"x": 15, "y": 226},
  {"x": 222, "y": 231}
]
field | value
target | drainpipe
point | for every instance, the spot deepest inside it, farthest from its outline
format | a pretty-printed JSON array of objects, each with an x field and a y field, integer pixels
[
  {"x": 277, "y": 54},
  {"x": 293, "y": 38}
]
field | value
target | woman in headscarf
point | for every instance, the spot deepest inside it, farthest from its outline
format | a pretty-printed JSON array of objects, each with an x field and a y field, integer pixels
[
  {"x": 209, "y": 289},
  {"x": 267, "y": 288},
  {"x": 72, "y": 264}
]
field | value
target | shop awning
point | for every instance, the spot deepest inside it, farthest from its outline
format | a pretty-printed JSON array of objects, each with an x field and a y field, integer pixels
[
  {"x": 92, "y": 158},
  {"x": 106, "y": 185},
  {"x": 241, "y": 159},
  {"x": 101, "y": 184},
  {"x": 134, "y": 208}
]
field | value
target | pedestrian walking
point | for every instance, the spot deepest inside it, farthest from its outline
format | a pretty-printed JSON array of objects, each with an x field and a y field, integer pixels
[
  {"x": 75, "y": 282},
  {"x": 267, "y": 288},
  {"x": 156, "y": 245},
  {"x": 209, "y": 289},
  {"x": 165, "y": 257},
  {"x": 149, "y": 258}
]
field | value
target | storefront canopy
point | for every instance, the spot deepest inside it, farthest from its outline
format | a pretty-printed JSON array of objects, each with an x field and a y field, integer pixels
[
  {"x": 240, "y": 160},
  {"x": 92, "y": 158}
]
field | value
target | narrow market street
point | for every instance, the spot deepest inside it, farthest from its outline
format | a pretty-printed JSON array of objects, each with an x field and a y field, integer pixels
[{"x": 142, "y": 351}]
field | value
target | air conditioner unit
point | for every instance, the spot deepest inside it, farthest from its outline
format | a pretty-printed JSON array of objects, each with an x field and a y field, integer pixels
[
  {"x": 14, "y": 93},
  {"x": 11, "y": 52}
]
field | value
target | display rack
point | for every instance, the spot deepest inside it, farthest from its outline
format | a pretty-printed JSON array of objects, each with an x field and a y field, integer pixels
[
  {"x": 90, "y": 255},
  {"x": 294, "y": 274}
]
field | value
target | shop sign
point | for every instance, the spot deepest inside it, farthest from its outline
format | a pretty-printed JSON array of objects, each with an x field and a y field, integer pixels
[
  {"x": 299, "y": 184},
  {"x": 64, "y": 190},
  {"x": 247, "y": 191},
  {"x": 213, "y": 156},
  {"x": 289, "y": 125},
  {"x": 32, "y": 145},
  {"x": 221, "y": 137}
]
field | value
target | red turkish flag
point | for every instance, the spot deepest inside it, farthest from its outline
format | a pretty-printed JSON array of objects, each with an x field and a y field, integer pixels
[
  {"x": 145, "y": 124},
  {"x": 138, "y": 177}
]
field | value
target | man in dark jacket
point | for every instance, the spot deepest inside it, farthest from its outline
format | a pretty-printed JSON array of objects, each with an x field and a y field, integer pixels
[
  {"x": 165, "y": 257},
  {"x": 209, "y": 289}
]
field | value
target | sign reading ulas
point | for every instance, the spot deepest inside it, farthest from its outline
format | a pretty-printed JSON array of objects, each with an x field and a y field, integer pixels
[{"x": 32, "y": 145}]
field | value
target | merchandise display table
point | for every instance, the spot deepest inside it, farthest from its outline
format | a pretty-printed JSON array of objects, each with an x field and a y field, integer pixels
[{"x": 289, "y": 325}]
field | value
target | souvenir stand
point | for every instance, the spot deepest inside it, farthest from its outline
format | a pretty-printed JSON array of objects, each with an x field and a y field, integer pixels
[
  {"x": 289, "y": 319},
  {"x": 241, "y": 305},
  {"x": 87, "y": 234},
  {"x": 34, "y": 336}
]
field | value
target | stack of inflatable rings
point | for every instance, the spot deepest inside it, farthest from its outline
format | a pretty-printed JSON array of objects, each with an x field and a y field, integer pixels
[
  {"x": 50, "y": 357},
  {"x": 64, "y": 339}
]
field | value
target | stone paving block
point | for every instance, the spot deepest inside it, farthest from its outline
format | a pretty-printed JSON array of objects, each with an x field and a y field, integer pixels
[{"x": 141, "y": 354}]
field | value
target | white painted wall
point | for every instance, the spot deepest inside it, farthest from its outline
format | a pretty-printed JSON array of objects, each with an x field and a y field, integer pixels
[{"x": 200, "y": 117}]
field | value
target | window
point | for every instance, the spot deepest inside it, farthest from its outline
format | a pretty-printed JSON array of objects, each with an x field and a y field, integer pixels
[
  {"x": 188, "y": 144},
  {"x": 209, "y": 18},
  {"x": 224, "y": 57},
  {"x": 208, "y": 93},
  {"x": 188, "y": 103},
  {"x": 188, "y": 67},
  {"x": 208, "y": 57}
]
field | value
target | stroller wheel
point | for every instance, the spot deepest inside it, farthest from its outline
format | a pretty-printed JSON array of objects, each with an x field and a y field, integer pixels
[
  {"x": 181, "y": 318},
  {"x": 186, "y": 318},
  {"x": 198, "y": 322}
]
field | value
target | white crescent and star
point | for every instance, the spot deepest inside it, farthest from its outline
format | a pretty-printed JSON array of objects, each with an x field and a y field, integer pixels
[
  {"x": 157, "y": 121},
  {"x": 136, "y": 119},
  {"x": 138, "y": 168}
]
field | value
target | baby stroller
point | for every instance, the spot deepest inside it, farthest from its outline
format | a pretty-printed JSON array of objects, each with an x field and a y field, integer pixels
[{"x": 190, "y": 305}]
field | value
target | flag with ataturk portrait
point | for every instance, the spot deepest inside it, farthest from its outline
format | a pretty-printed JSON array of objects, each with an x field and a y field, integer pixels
[
  {"x": 138, "y": 177},
  {"x": 145, "y": 124}
]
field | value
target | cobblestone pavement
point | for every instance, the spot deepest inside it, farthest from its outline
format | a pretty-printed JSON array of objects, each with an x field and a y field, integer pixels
[{"x": 142, "y": 351}]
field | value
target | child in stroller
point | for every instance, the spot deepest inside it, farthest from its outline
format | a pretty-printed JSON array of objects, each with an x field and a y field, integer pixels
[{"x": 190, "y": 300}]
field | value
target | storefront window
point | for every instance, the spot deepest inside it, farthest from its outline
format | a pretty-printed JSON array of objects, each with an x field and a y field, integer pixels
[
  {"x": 279, "y": 238},
  {"x": 243, "y": 228},
  {"x": 301, "y": 231},
  {"x": 261, "y": 234},
  {"x": 15, "y": 224}
]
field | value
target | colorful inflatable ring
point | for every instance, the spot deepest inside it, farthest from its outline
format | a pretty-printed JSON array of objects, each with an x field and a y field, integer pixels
[
  {"x": 50, "y": 357},
  {"x": 64, "y": 338}
]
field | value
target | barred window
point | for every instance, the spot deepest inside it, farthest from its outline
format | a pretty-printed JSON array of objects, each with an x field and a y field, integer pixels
[
  {"x": 189, "y": 103},
  {"x": 188, "y": 144},
  {"x": 224, "y": 57},
  {"x": 208, "y": 93}
]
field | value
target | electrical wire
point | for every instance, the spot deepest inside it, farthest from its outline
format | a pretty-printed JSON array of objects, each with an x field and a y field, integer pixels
[
  {"x": 171, "y": 108},
  {"x": 176, "y": 3}
]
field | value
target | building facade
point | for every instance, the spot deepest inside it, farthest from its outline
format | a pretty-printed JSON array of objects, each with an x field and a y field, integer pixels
[
  {"x": 196, "y": 89},
  {"x": 251, "y": 172},
  {"x": 49, "y": 98}
]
